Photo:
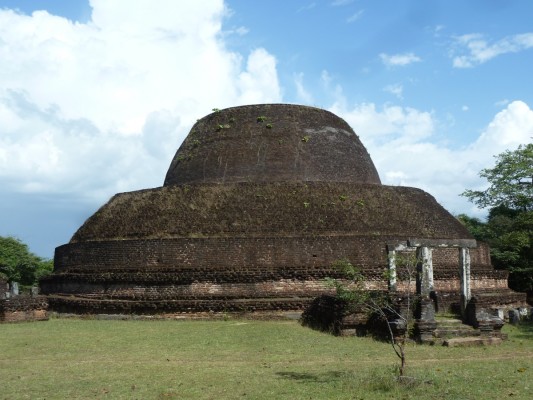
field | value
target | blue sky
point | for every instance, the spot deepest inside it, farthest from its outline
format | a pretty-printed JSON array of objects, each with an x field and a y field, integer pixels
[{"x": 96, "y": 96}]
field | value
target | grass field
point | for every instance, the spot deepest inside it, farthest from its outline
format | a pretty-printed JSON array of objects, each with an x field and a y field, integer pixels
[{"x": 241, "y": 359}]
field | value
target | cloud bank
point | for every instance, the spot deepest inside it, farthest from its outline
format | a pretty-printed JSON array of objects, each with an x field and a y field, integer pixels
[{"x": 101, "y": 107}]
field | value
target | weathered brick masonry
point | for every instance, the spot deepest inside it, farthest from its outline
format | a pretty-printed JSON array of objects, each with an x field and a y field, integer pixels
[
  {"x": 229, "y": 269},
  {"x": 258, "y": 202},
  {"x": 23, "y": 308}
]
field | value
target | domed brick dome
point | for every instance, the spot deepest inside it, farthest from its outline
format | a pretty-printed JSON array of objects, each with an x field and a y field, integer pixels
[{"x": 271, "y": 143}]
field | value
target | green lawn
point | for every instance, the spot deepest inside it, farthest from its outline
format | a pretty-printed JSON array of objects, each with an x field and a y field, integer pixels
[{"x": 241, "y": 359}]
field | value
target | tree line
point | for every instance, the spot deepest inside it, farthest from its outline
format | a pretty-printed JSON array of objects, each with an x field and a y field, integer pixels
[{"x": 19, "y": 264}]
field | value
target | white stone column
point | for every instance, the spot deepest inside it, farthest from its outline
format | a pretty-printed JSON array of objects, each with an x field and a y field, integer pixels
[
  {"x": 392, "y": 270},
  {"x": 425, "y": 258},
  {"x": 464, "y": 266},
  {"x": 14, "y": 289}
]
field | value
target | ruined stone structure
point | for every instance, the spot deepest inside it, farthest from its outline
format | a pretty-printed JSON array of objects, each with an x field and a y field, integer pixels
[
  {"x": 17, "y": 308},
  {"x": 257, "y": 204}
]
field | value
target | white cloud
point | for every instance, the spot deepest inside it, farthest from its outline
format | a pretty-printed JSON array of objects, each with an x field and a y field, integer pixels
[
  {"x": 399, "y": 59},
  {"x": 326, "y": 78},
  {"x": 392, "y": 125},
  {"x": 333, "y": 91},
  {"x": 101, "y": 107},
  {"x": 437, "y": 30},
  {"x": 303, "y": 95},
  {"x": 307, "y": 7},
  {"x": 502, "y": 103},
  {"x": 402, "y": 145},
  {"x": 396, "y": 90},
  {"x": 337, "y": 3},
  {"x": 474, "y": 49},
  {"x": 259, "y": 82},
  {"x": 242, "y": 30},
  {"x": 465, "y": 108},
  {"x": 354, "y": 17},
  {"x": 509, "y": 128}
]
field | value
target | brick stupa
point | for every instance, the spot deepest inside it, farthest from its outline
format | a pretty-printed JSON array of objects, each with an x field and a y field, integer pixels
[{"x": 257, "y": 204}]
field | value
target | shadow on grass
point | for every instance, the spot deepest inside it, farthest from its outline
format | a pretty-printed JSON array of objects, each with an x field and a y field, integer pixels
[
  {"x": 381, "y": 381},
  {"x": 525, "y": 330},
  {"x": 308, "y": 377}
]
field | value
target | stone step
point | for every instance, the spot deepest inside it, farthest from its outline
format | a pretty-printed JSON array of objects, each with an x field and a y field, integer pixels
[
  {"x": 451, "y": 332},
  {"x": 455, "y": 324},
  {"x": 448, "y": 320},
  {"x": 453, "y": 328},
  {"x": 471, "y": 341}
]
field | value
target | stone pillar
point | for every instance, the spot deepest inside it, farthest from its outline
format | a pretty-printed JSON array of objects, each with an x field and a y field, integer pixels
[
  {"x": 392, "y": 270},
  {"x": 464, "y": 269},
  {"x": 14, "y": 289},
  {"x": 425, "y": 271},
  {"x": 425, "y": 324},
  {"x": 514, "y": 316}
]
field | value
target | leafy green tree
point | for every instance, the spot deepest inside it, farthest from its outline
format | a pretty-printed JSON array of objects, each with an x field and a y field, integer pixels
[
  {"x": 511, "y": 181},
  {"x": 18, "y": 264},
  {"x": 476, "y": 227},
  {"x": 509, "y": 226}
]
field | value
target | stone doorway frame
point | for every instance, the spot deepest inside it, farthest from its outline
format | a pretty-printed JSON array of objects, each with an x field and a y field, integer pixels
[{"x": 424, "y": 249}]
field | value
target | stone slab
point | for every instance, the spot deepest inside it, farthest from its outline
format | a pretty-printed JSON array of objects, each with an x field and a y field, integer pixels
[
  {"x": 469, "y": 243},
  {"x": 471, "y": 341}
]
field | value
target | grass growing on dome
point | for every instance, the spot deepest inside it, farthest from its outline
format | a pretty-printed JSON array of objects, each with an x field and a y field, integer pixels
[
  {"x": 353, "y": 209},
  {"x": 79, "y": 359}
]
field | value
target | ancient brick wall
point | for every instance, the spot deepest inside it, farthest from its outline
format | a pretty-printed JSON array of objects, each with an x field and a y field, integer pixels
[
  {"x": 24, "y": 308},
  {"x": 221, "y": 254},
  {"x": 197, "y": 273}
]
